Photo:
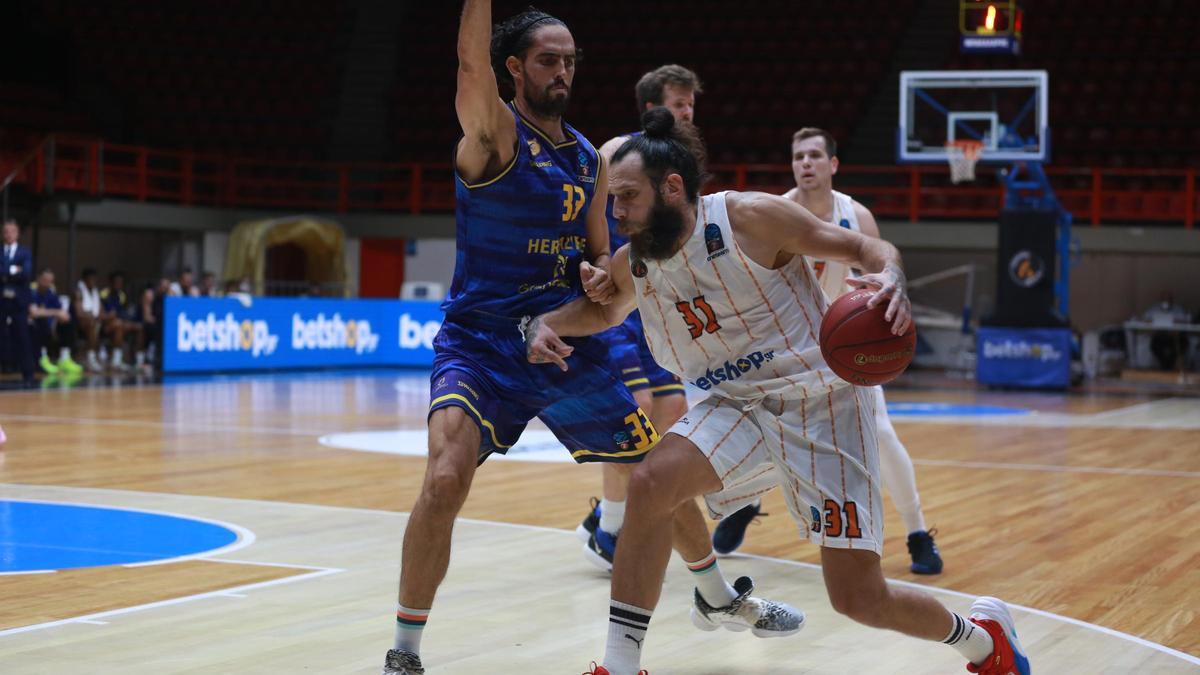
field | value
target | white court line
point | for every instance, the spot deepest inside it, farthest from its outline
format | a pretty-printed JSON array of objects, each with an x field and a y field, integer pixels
[
  {"x": 244, "y": 536},
  {"x": 1031, "y": 610},
  {"x": 179, "y": 426},
  {"x": 1195, "y": 660},
  {"x": 13, "y": 574},
  {"x": 94, "y": 623},
  {"x": 89, "y": 618},
  {"x": 1058, "y": 468},
  {"x": 269, "y": 564},
  {"x": 1138, "y": 407}
]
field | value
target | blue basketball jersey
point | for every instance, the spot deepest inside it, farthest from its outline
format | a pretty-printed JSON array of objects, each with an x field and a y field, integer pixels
[{"x": 522, "y": 235}]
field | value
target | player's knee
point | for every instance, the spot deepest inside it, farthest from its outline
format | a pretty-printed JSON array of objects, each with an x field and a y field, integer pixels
[
  {"x": 453, "y": 449},
  {"x": 446, "y": 487},
  {"x": 651, "y": 491}
]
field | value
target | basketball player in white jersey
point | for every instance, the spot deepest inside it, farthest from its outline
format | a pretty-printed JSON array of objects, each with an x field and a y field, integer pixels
[
  {"x": 814, "y": 162},
  {"x": 730, "y": 303}
]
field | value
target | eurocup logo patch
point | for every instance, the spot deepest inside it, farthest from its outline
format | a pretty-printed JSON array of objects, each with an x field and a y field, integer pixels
[
  {"x": 1026, "y": 268},
  {"x": 638, "y": 268},
  {"x": 535, "y": 148},
  {"x": 583, "y": 163},
  {"x": 621, "y": 438},
  {"x": 714, "y": 241}
]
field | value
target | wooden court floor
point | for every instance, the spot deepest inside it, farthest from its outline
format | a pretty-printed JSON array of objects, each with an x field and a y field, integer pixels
[{"x": 1084, "y": 512}]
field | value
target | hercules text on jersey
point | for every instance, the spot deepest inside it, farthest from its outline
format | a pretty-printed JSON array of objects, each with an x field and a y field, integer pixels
[
  {"x": 728, "y": 325},
  {"x": 521, "y": 237},
  {"x": 522, "y": 234}
]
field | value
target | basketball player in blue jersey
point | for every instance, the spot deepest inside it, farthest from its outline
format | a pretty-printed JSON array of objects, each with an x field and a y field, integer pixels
[
  {"x": 654, "y": 388},
  {"x": 530, "y": 205}
]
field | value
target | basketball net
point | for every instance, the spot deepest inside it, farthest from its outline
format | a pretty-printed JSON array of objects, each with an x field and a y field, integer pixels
[{"x": 962, "y": 156}]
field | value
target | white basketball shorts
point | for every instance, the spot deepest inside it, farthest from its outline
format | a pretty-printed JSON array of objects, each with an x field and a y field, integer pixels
[{"x": 820, "y": 450}]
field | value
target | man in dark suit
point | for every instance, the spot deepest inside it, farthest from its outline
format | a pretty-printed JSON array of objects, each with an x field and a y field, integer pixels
[{"x": 16, "y": 273}]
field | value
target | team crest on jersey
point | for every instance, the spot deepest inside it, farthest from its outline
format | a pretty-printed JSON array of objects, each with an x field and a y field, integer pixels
[
  {"x": 638, "y": 268},
  {"x": 714, "y": 241},
  {"x": 622, "y": 440},
  {"x": 535, "y": 148}
]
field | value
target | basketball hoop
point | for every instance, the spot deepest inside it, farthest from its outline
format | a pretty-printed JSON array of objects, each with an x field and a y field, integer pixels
[{"x": 962, "y": 156}]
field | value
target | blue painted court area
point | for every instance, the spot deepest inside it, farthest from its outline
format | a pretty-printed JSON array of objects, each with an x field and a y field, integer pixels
[
  {"x": 950, "y": 410},
  {"x": 40, "y": 536}
]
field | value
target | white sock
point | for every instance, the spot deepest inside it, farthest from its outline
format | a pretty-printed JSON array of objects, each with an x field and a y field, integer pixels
[
  {"x": 626, "y": 632},
  {"x": 710, "y": 582},
  {"x": 116, "y": 356},
  {"x": 410, "y": 624},
  {"x": 64, "y": 354},
  {"x": 896, "y": 470},
  {"x": 45, "y": 354},
  {"x": 612, "y": 516},
  {"x": 140, "y": 358},
  {"x": 970, "y": 640}
]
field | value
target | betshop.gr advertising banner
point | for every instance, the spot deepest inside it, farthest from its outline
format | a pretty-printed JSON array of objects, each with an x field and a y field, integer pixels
[
  {"x": 1023, "y": 357},
  {"x": 227, "y": 334}
]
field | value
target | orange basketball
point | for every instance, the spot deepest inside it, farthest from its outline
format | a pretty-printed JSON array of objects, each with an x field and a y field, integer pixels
[{"x": 858, "y": 344}]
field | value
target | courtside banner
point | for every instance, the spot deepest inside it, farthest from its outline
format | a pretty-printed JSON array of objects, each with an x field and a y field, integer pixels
[
  {"x": 1023, "y": 357},
  {"x": 226, "y": 334}
]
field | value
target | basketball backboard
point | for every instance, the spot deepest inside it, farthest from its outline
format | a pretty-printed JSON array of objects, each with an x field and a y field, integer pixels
[{"x": 1006, "y": 110}]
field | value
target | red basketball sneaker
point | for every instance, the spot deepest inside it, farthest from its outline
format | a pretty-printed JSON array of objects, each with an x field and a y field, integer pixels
[{"x": 1007, "y": 657}]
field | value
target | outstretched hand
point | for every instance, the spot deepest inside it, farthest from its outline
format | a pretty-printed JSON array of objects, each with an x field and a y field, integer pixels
[
  {"x": 542, "y": 344},
  {"x": 597, "y": 283},
  {"x": 890, "y": 283}
]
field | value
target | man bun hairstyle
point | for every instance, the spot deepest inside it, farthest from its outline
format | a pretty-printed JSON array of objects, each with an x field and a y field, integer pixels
[
  {"x": 666, "y": 147},
  {"x": 513, "y": 37}
]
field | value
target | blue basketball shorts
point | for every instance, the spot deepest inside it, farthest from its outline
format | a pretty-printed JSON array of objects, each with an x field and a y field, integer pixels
[{"x": 483, "y": 370}]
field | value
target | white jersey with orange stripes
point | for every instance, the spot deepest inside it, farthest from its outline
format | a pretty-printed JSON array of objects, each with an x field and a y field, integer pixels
[
  {"x": 777, "y": 416},
  {"x": 830, "y": 273},
  {"x": 726, "y": 324}
]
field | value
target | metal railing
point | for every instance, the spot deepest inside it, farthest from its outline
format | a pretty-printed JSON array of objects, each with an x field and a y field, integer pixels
[{"x": 65, "y": 163}]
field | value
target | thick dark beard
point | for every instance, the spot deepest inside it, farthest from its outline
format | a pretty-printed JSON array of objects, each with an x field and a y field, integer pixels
[
  {"x": 660, "y": 237},
  {"x": 543, "y": 104}
]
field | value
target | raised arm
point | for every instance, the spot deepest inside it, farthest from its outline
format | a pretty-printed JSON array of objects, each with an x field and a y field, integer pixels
[
  {"x": 581, "y": 317},
  {"x": 782, "y": 225},
  {"x": 489, "y": 130}
]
